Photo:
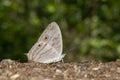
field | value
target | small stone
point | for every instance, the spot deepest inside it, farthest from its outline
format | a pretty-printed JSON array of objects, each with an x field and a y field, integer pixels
[
  {"x": 58, "y": 71},
  {"x": 96, "y": 68},
  {"x": 117, "y": 62},
  {"x": 118, "y": 69},
  {"x": 14, "y": 77},
  {"x": 34, "y": 78}
]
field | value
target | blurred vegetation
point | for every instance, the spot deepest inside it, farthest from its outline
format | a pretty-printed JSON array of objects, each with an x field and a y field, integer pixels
[{"x": 90, "y": 28}]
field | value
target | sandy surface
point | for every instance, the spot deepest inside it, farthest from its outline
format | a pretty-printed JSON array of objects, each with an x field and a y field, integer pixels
[{"x": 13, "y": 70}]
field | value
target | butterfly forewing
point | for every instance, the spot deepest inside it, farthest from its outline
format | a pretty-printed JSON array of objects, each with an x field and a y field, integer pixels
[
  {"x": 52, "y": 36},
  {"x": 48, "y": 48}
]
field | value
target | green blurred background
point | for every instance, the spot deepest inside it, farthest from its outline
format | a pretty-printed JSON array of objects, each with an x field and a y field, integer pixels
[{"x": 90, "y": 28}]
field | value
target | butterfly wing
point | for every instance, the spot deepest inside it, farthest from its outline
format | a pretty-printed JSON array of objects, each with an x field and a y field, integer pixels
[{"x": 48, "y": 48}]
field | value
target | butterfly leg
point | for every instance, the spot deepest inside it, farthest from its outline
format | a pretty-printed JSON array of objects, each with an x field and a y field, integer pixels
[{"x": 62, "y": 61}]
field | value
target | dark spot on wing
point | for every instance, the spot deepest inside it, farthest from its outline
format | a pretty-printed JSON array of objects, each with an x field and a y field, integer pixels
[
  {"x": 46, "y": 37},
  {"x": 39, "y": 45}
]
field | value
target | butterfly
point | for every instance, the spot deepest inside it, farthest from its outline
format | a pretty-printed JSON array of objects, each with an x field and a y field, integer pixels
[{"x": 48, "y": 48}]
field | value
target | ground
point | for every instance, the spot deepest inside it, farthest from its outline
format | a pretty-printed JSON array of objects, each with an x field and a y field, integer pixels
[{"x": 13, "y": 70}]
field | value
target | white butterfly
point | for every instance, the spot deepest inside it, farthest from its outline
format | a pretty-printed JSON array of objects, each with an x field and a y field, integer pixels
[{"x": 48, "y": 48}]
